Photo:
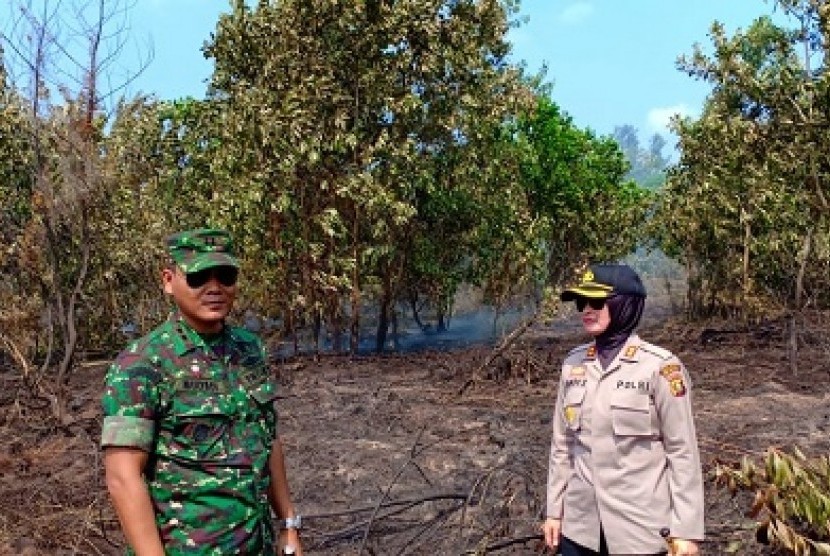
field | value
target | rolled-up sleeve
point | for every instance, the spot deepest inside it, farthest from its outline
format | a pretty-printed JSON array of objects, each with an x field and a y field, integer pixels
[{"x": 130, "y": 403}]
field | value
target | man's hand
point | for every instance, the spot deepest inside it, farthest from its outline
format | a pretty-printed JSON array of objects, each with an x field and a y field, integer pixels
[
  {"x": 289, "y": 537},
  {"x": 682, "y": 547},
  {"x": 552, "y": 528}
]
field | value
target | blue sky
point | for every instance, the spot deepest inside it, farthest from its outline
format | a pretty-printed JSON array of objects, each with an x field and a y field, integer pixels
[{"x": 612, "y": 62}]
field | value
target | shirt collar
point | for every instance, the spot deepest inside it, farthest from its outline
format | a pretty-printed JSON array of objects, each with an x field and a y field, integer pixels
[
  {"x": 629, "y": 353},
  {"x": 185, "y": 338}
]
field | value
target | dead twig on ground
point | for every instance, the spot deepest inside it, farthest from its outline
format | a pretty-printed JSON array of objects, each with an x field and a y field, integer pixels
[
  {"x": 507, "y": 543},
  {"x": 721, "y": 447},
  {"x": 410, "y": 502},
  {"x": 506, "y": 343},
  {"x": 442, "y": 516},
  {"x": 351, "y": 530},
  {"x": 481, "y": 483},
  {"x": 413, "y": 453},
  {"x": 31, "y": 378}
]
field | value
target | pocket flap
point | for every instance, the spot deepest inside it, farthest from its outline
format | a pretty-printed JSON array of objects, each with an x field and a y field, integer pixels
[
  {"x": 265, "y": 392},
  {"x": 633, "y": 401},
  {"x": 631, "y": 415},
  {"x": 204, "y": 401},
  {"x": 198, "y": 429}
]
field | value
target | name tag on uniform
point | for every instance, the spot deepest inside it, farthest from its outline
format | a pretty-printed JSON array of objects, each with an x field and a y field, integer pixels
[
  {"x": 641, "y": 386},
  {"x": 204, "y": 385},
  {"x": 577, "y": 372}
]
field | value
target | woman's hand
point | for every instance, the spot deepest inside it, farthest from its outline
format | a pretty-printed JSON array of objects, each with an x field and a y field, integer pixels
[
  {"x": 290, "y": 537},
  {"x": 552, "y": 528},
  {"x": 682, "y": 547}
]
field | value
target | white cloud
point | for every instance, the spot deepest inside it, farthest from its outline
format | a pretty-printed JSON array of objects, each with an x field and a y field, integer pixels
[
  {"x": 576, "y": 13},
  {"x": 658, "y": 118}
]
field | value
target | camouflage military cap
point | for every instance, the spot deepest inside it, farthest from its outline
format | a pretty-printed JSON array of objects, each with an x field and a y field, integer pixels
[{"x": 195, "y": 250}]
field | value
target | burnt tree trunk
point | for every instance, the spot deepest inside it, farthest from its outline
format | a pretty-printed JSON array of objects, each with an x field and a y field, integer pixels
[{"x": 383, "y": 315}]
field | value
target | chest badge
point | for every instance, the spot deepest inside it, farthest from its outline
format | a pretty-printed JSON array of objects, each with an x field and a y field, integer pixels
[
  {"x": 630, "y": 351},
  {"x": 570, "y": 414}
]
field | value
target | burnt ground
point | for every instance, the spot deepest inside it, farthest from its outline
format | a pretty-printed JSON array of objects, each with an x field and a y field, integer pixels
[{"x": 387, "y": 457}]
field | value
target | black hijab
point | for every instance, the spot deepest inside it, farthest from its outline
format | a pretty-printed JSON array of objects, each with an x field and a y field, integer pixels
[{"x": 625, "y": 311}]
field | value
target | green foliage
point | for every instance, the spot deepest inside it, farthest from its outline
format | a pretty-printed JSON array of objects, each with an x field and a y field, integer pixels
[
  {"x": 576, "y": 189},
  {"x": 19, "y": 244},
  {"x": 125, "y": 275},
  {"x": 361, "y": 153},
  {"x": 791, "y": 499},
  {"x": 349, "y": 124},
  {"x": 746, "y": 207},
  {"x": 16, "y": 155}
]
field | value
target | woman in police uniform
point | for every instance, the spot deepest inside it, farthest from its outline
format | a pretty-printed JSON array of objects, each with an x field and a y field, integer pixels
[{"x": 624, "y": 475}]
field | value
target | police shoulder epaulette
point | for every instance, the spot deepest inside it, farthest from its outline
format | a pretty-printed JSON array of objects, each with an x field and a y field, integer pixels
[
  {"x": 662, "y": 353},
  {"x": 580, "y": 349}
]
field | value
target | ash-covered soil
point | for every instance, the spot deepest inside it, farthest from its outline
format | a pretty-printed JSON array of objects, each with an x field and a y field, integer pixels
[{"x": 402, "y": 454}]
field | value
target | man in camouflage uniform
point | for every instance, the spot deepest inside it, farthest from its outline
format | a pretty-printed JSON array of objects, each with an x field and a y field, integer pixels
[{"x": 192, "y": 457}]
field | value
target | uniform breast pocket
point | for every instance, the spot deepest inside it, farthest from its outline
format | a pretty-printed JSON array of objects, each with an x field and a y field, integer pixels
[
  {"x": 631, "y": 415},
  {"x": 199, "y": 432},
  {"x": 572, "y": 407}
]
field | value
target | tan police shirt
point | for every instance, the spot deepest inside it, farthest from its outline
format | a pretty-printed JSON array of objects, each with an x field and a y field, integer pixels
[{"x": 624, "y": 452}]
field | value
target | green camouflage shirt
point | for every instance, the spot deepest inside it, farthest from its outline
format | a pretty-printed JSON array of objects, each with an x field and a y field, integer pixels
[{"x": 204, "y": 411}]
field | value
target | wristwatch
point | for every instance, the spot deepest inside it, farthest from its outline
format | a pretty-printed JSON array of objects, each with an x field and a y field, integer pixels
[{"x": 295, "y": 522}]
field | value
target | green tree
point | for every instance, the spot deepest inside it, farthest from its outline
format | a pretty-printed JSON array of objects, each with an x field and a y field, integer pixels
[
  {"x": 15, "y": 157},
  {"x": 335, "y": 115},
  {"x": 577, "y": 190},
  {"x": 746, "y": 208}
]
